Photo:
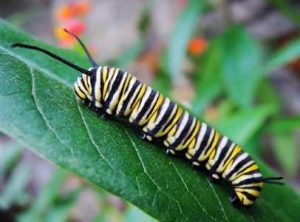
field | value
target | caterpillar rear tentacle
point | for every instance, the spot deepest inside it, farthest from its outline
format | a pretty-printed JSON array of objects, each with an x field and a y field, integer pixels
[{"x": 112, "y": 92}]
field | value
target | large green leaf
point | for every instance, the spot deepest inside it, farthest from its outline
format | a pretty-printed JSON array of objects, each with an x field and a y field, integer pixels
[
  {"x": 208, "y": 84},
  {"x": 182, "y": 33},
  {"x": 284, "y": 55},
  {"x": 38, "y": 108},
  {"x": 241, "y": 65}
]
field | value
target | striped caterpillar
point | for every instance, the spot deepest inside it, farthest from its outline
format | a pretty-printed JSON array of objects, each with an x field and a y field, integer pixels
[{"x": 112, "y": 92}]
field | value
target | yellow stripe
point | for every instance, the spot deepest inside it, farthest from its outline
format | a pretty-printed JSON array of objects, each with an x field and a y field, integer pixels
[
  {"x": 194, "y": 134},
  {"x": 229, "y": 162},
  {"x": 86, "y": 85},
  {"x": 80, "y": 93},
  {"x": 177, "y": 116},
  {"x": 139, "y": 97},
  {"x": 108, "y": 82},
  {"x": 153, "y": 115},
  {"x": 247, "y": 170},
  {"x": 212, "y": 147}
]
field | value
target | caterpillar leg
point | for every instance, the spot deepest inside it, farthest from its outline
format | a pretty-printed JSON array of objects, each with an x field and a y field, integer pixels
[
  {"x": 234, "y": 200},
  {"x": 146, "y": 137},
  {"x": 213, "y": 177},
  {"x": 103, "y": 115},
  {"x": 170, "y": 151},
  {"x": 195, "y": 163}
]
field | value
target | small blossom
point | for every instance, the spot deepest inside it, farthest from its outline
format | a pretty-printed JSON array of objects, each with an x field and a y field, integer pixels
[
  {"x": 197, "y": 46},
  {"x": 80, "y": 8},
  {"x": 73, "y": 25}
]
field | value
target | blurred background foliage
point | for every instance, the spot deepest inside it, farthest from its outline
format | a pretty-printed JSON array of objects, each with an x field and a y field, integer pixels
[{"x": 235, "y": 64}]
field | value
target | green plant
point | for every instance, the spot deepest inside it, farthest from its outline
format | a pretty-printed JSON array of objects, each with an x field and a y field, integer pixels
[{"x": 38, "y": 109}]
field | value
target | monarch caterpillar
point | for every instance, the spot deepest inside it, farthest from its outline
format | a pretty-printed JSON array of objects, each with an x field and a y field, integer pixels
[{"x": 112, "y": 92}]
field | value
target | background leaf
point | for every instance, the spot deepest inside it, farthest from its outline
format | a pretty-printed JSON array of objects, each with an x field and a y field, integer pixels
[
  {"x": 283, "y": 56},
  {"x": 208, "y": 82},
  {"x": 240, "y": 65},
  {"x": 183, "y": 31},
  {"x": 47, "y": 119}
]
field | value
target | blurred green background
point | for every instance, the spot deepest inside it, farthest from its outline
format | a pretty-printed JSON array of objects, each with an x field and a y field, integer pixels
[{"x": 232, "y": 63}]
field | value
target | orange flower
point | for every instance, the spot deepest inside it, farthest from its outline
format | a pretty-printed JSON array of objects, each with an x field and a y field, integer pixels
[
  {"x": 72, "y": 10},
  {"x": 64, "y": 12},
  {"x": 197, "y": 46},
  {"x": 72, "y": 25},
  {"x": 80, "y": 8},
  {"x": 182, "y": 3}
]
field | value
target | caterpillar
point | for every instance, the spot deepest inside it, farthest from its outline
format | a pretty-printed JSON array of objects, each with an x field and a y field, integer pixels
[{"x": 113, "y": 92}]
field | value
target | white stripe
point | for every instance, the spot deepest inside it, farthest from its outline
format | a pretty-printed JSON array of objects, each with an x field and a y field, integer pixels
[
  {"x": 221, "y": 146},
  {"x": 142, "y": 103},
  {"x": 245, "y": 177},
  {"x": 219, "y": 169},
  {"x": 111, "y": 80},
  {"x": 242, "y": 169},
  {"x": 236, "y": 162},
  {"x": 123, "y": 97},
  {"x": 83, "y": 89},
  {"x": 137, "y": 90},
  {"x": 152, "y": 125},
  {"x": 199, "y": 138},
  {"x": 97, "y": 88},
  {"x": 182, "y": 125},
  {"x": 117, "y": 92},
  {"x": 211, "y": 137}
]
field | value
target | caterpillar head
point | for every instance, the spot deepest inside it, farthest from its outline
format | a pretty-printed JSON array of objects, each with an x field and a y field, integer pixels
[{"x": 82, "y": 87}]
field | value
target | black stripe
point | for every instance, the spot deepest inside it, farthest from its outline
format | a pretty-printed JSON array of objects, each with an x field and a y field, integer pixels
[
  {"x": 102, "y": 81},
  {"x": 222, "y": 154},
  {"x": 138, "y": 100},
  {"x": 184, "y": 132},
  {"x": 203, "y": 143},
  {"x": 115, "y": 86},
  {"x": 249, "y": 181},
  {"x": 165, "y": 117},
  {"x": 249, "y": 196},
  {"x": 145, "y": 107},
  {"x": 239, "y": 165},
  {"x": 170, "y": 119},
  {"x": 191, "y": 131},
  {"x": 83, "y": 83},
  {"x": 129, "y": 96},
  {"x": 254, "y": 187},
  {"x": 123, "y": 90},
  {"x": 77, "y": 93},
  {"x": 151, "y": 111},
  {"x": 197, "y": 133},
  {"x": 93, "y": 82}
]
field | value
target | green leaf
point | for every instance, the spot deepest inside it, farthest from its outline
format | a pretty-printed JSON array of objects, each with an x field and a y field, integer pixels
[
  {"x": 286, "y": 151},
  {"x": 14, "y": 190},
  {"x": 39, "y": 109},
  {"x": 182, "y": 33},
  {"x": 45, "y": 198},
  {"x": 208, "y": 82},
  {"x": 283, "y": 56},
  {"x": 284, "y": 125},
  {"x": 241, "y": 65},
  {"x": 133, "y": 214},
  {"x": 10, "y": 153},
  {"x": 59, "y": 211},
  {"x": 243, "y": 125},
  {"x": 129, "y": 55}
]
